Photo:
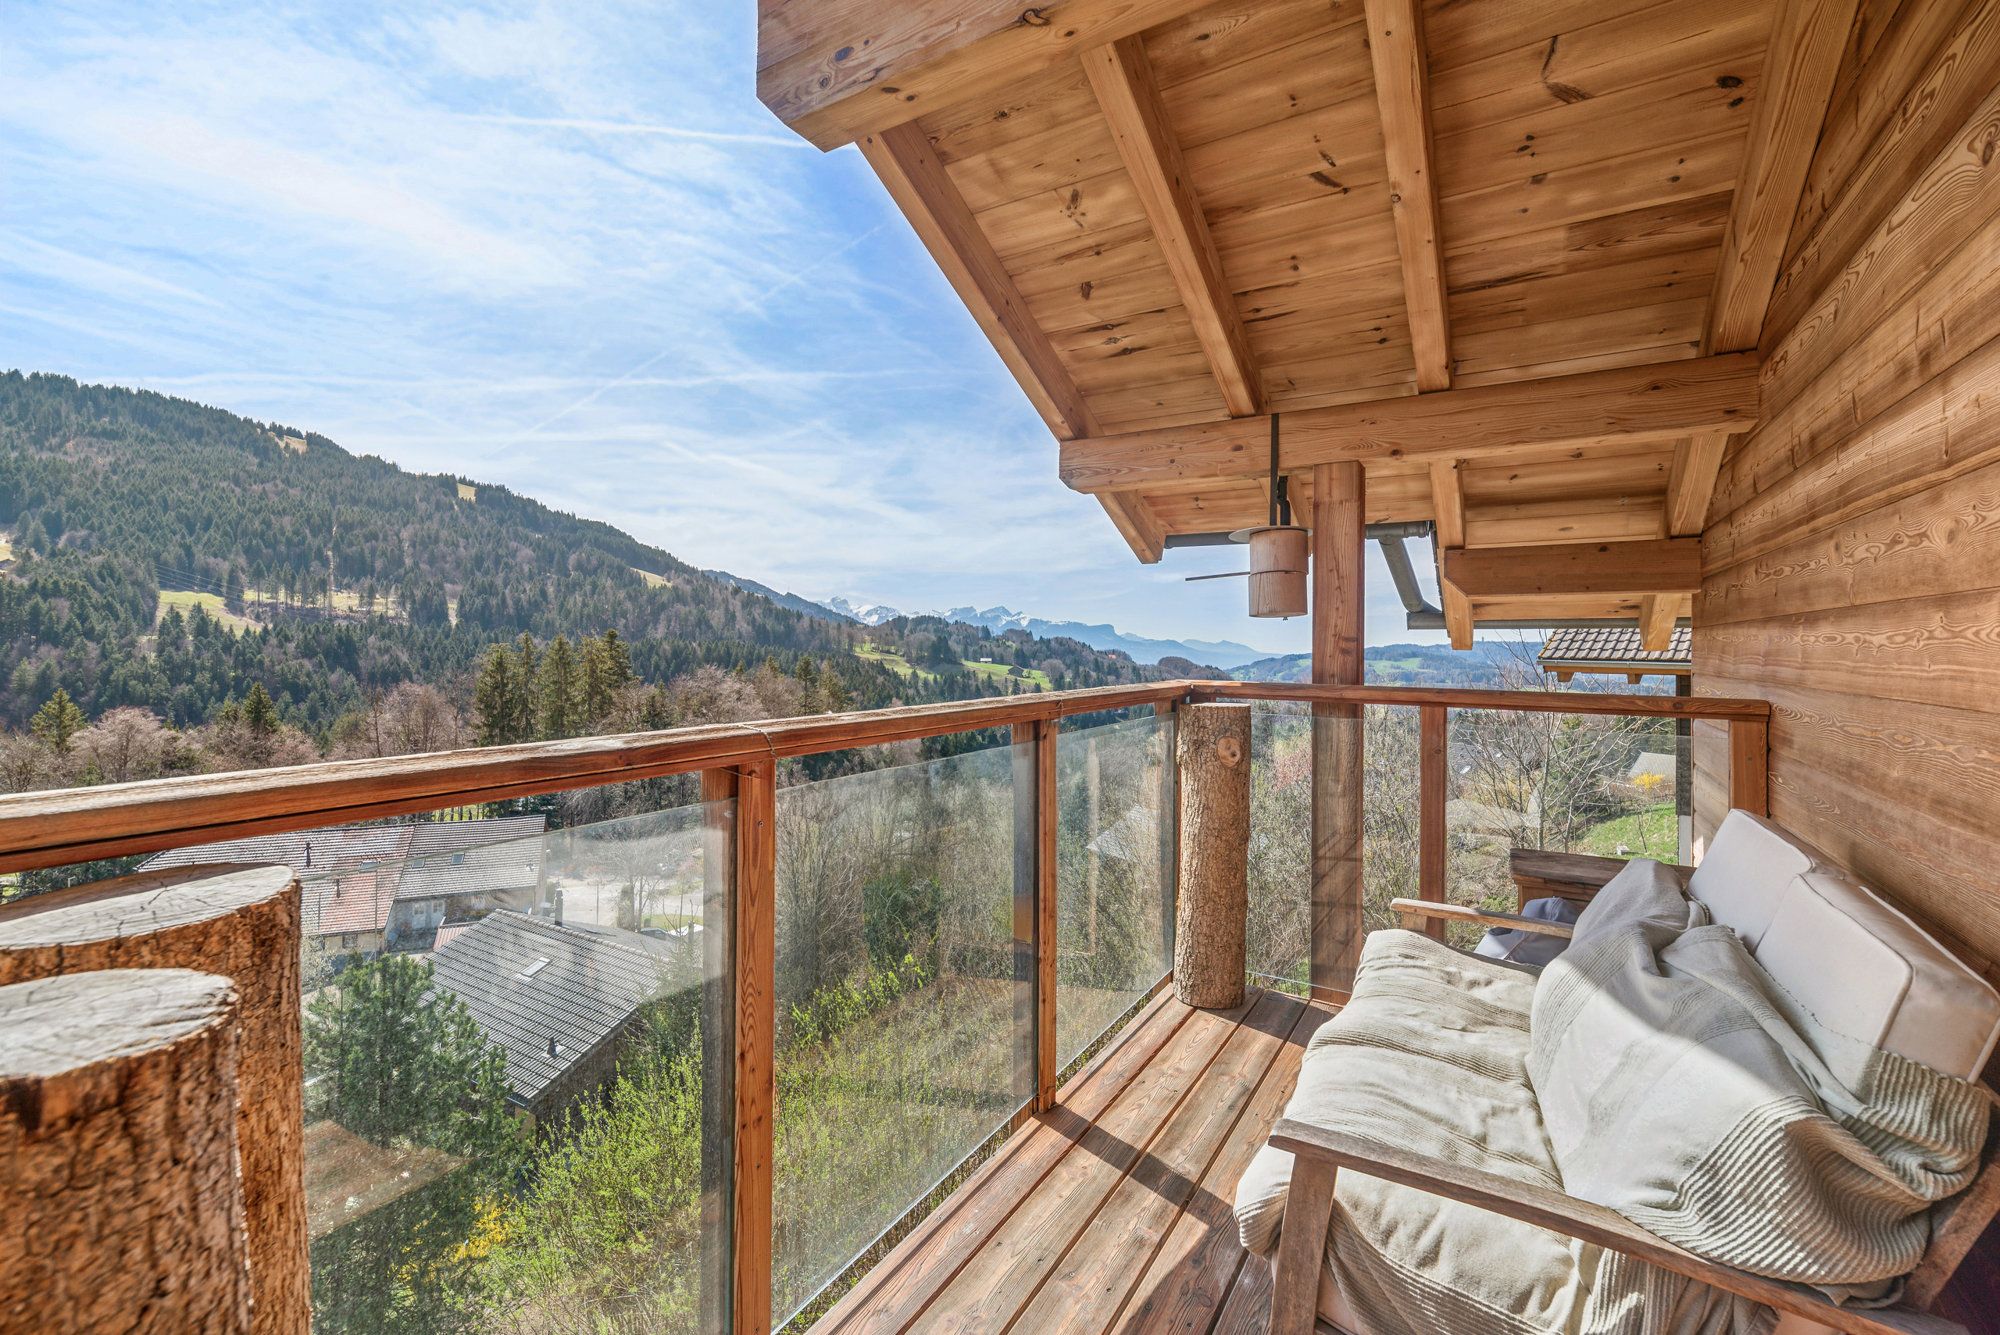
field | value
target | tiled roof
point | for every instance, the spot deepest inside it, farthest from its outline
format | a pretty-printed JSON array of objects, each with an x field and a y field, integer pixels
[
  {"x": 349, "y": 901},
  {"x": 528, "y": 980},
  {"x": 412, "y": 860},
  {"x": 1615, "y": 648}
]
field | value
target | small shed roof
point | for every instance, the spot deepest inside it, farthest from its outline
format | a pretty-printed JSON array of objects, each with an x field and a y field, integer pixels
[{"x": 1615, "y": 649}]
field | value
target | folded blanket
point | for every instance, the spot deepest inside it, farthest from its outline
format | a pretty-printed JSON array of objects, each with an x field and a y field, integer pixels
[
  {"x": 1559, "y": 1082},
  {"x": 1682, "y": 1087}
]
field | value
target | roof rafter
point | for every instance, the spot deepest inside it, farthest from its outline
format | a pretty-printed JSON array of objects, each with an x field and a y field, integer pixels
[
  {"x": 836, "y": 71},
  {"x": 1122, "y": 78},
  {"x": 1575, "y": 569},
  {"x": 1660, "y": 402},
  {"x": 1808, "y": 39},
  {"x": 1402, "y": 90},
  {"x": 1135, "y": 520},
  {"x": 916, "y": 180}
]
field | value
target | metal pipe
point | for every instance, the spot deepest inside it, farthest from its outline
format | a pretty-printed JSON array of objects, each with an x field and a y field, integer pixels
[
  {"x": 1405, "y": 528},
  {"x": 1432, "y": 619},
  {"x": 1397, "y": 557}
]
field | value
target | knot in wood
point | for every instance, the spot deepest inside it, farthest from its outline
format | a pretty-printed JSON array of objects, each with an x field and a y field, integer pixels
[
  {"x": 1034, "y": 18},
  {"x": 1228, "y": 750}
]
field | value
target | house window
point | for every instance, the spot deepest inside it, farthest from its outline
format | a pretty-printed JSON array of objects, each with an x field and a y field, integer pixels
[{"x": 540, "y": 963}]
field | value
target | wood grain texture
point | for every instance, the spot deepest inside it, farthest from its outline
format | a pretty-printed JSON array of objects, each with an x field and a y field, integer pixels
[
  {"x": 1448, "y": 505},
  {"x": 1339, "y": 602},
  {"x": 240, "y": 923},
  {"x": 755, "y": 928},
  {"x": 1137, "y": 522},
  {"x": 1621, "y": 405},
  {"x": 120, "y": 1206},
  {"x": 1661, "y": 565},
  {"x": 1807, "y": 41},
  {"x": 1402, "y": 93},
  {"x": 1122, "y": 76}
]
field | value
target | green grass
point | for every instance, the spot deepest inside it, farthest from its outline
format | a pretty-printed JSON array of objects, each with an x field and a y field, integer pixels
[
  {"x": 892, "y": 660},
  {"x": 187, "y": 600},
  {"x": 1651, "y": 833},
  {"x": 6, "y": 547},
  {"x": 652, "y": 580},
  {"x": 1033, "y": 676}
]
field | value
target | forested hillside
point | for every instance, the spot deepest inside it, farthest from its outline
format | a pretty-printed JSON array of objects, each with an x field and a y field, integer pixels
[{"x": 169, "y": 556}]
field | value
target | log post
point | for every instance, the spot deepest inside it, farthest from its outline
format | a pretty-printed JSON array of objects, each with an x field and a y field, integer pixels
[
  {"x": 241, "y": 923},
  {"x": 120, "y": 1204},
  {"x": 1214, "y": 760}
]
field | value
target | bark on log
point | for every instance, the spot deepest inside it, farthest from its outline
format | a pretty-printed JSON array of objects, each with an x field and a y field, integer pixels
[
  {"x": 241, "y": 923},
  {"x": 120, "y": 1206},
  {"x": 1214, "y": 757}
]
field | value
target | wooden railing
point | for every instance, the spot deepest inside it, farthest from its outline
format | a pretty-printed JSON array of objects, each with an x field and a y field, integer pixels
[{"x": 737, "y": 762}]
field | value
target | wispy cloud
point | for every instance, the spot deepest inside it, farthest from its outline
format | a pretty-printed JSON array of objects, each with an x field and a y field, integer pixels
[{"x": 589, "y": 126}]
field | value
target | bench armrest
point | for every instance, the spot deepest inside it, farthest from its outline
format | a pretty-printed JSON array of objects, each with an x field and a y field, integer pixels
[
  {"x": 1540, "y": 874},
  {"x": 1321, "y": 1150},
  {"x": 1411, "y": 910}
]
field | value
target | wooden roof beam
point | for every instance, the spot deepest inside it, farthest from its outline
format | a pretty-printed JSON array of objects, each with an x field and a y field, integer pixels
[
  {"x": 836, "y": 71},
  {"x": 1691, "y": 482},
  {"x": 1808, "y": 39},
  {"x": 1122, "y": 78},
  {"x": 1448, "y": 501},
  {"x": 1660, "y": 402},
  {"x": 1402, "y": 90},
  {"x": 1134, "y": 518},
  {"x": 916, "y": 180},
  {"x": 1577, "y": 569}
]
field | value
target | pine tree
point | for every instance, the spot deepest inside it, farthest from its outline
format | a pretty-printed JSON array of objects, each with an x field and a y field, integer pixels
[
  {"x": 260, "y": 715},
  {"x": 527, "y": 673},
  {"x": 58, "y": 722},
  {"x": 561, "y": 690},
  {"x": 494, "y": 699}
]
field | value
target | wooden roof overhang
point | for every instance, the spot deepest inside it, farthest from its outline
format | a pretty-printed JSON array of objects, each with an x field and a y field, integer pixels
[{"x": 1512, "y": 255}]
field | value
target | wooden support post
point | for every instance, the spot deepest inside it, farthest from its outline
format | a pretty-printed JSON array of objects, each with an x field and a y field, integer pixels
[
  {"x": 718, "y": 1046},
  {"x": 1433, "y": 759},
  {"x": 1302, "y": 1247},
  {"x": 754, "y": 925},
  {"x": 1339, "y": 533},
  {"x": 1749, "y": 765},
  {"x": 1046, "y": 731},
  {"x": 1214, "y": 762},
  {"x": 241, "y": 923},
  {"x": 120, "y": 1203}
]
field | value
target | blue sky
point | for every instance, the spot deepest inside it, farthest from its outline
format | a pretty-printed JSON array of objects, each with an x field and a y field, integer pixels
[{"x": 559, "y": 247}]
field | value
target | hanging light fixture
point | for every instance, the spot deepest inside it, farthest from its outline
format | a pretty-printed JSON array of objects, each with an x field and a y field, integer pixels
[{"x": 1278, "y": 552}]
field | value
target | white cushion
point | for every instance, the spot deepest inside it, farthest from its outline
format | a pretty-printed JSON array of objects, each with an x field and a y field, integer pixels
[
  {"x": 1749, "y": 865},
  {"x": 1866, "y": 971}
]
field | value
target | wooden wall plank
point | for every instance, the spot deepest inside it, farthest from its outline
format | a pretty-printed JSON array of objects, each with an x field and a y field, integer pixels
[{"x": 1402, "y": 93}]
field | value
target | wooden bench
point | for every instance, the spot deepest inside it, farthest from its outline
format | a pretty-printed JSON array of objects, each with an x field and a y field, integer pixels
[{"x": 1541, "y": 874}]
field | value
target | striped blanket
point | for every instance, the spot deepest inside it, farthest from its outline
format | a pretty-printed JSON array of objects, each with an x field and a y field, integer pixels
[{"x": 1650, "y": 1069}]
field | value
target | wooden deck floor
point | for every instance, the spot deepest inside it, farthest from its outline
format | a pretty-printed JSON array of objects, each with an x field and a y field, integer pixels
[{"x": 1110, "y": 1212}]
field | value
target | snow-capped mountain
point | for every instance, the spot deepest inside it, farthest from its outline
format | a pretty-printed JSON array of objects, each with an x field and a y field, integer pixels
[
  {"x": 868, "y": 614},
  {"x": 1221, "y": 654}
]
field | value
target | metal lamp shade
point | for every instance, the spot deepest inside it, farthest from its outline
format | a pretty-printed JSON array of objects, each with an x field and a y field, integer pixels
[{"x": 1278, "y": 571}]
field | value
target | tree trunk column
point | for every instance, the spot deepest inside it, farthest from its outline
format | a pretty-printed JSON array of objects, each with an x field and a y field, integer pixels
[
  {"x": 241, "y": 923},
  {"x": 1214, "y": 758},
  {"x": 1339, "y": 536},
  {"x": 120, "y": 1204}
]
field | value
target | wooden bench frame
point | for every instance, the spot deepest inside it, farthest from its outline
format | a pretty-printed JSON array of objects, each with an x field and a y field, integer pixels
[{"x": 1319, "y": 1154}]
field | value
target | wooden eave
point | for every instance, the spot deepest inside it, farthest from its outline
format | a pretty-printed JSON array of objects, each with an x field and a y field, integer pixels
[{"x": 1513, "y": 259}]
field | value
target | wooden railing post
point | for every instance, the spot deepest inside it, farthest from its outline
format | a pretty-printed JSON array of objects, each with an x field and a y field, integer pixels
[
  {"x": 1433, "y": 757},
  {"x": 754, "y": 925},
  {"x": 1749, "y": 765},
  {"x": 1339, "y": 540},
  {"x": 1168, "y": 713}
]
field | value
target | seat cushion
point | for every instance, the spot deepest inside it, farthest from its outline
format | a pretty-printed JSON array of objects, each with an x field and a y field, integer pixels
[
  {"x": 1865, "y": 971},
  {"x": 1749, "y": 865}
]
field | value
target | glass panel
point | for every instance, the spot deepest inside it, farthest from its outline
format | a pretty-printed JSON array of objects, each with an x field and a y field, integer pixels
[
  {"x": 1391, "y": 814},
  {"x": 1278, "y": 933},
  {"x": 902, "y": 1001},
  {"x": 1114, "y": 874},
  {"x": 517, "y": 1063},
  {"x": 1564, "y": 782}
]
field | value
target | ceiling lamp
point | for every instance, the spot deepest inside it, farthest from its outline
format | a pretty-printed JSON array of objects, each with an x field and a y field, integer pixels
[{"x": 1277, "y": 552}]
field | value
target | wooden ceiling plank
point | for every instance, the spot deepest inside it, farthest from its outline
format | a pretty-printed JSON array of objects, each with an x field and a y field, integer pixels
[
  {"x": 1625, "y": 405},
  {"x": 1396, "y": 48},
  {"x": 1135, "y": 519},
  {"x": 1575, "y": 569},
  {"x": 1448, "y": 500},
  {"x": 1808, "y": 38},
  {"x": 1697, "y": 461},
  {"x": 1123, "y": 80},
  {"x": 916, "y": 180},
  {"x": 836, "y": 71}
]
